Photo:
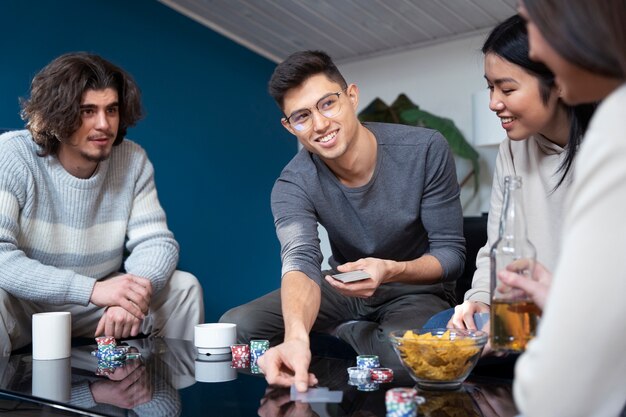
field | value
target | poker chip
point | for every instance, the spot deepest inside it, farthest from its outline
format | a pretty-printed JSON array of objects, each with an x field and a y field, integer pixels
[
  {"x": 255, "y": 369},
  {"x": 368, "y": 387},
  {"x": 401, "y": 402},
  {"x": 257, "y": 353},
  {"x": 110, "y": 364},
  {"x": 400, "y": 395},
  {"x": 381, "y": 375},
  {"x": 105, "y": 371},
  {"x": 367, "y": 361},
  {"x": 258, "y": 348},
  {"x": 259, "y": 344},
  {"x": 105, "y": 341},
  {"x": 240, "y": 351},
  {"x": 240, "y": 363},
  {"x": 109, "y": 355},
  {"x": 358, "y": 374}
]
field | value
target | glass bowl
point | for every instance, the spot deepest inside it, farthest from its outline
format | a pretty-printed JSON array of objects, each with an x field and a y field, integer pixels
[{"x": 438, "y": 358}]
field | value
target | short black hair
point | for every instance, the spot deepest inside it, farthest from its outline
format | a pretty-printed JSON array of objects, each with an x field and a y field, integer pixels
[{"x": 297, "y": 68}]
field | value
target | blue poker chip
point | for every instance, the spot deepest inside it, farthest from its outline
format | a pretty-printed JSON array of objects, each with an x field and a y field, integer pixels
[
  {"x": 367, "y": 361},
  {"x": 368, "y": 387}
]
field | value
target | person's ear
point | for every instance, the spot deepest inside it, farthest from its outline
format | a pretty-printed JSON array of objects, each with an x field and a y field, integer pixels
[
  {"x": 353, "y": 95},
  {"x": 287, "y": 126}
]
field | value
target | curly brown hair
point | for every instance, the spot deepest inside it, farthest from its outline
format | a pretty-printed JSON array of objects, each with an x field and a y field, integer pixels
[{"x": 52, "y": 113}]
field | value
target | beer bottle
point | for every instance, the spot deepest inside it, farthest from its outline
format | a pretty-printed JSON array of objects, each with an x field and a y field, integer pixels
[{"x": 514, "y": 316}]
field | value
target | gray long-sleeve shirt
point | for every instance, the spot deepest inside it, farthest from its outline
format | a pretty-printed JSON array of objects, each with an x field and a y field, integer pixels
[{"x": 410, "y": 206}]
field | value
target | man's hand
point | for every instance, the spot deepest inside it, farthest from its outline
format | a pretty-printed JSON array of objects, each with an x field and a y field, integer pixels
[
  {"x": 130, "y": 292},
  {"x": 128, "y": 393},
  {"x": 537, "y": 287},
  {"x": 288, "y": 364},
  {"x": 463, "y": 317},
  {"x": 378, "y": 270},
  {"x": 118, "y": 323}
]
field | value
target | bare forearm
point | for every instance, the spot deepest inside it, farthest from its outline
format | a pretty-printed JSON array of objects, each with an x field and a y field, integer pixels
[
  {"x": 300, "y": 298},
  {"x": 423, "y": 270}
]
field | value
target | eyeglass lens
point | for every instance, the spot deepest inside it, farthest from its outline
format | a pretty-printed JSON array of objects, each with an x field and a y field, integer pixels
[{"x": 328, "y": 106}]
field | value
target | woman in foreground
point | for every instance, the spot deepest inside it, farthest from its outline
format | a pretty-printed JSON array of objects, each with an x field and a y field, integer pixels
[{"x": 576, "y": 366}]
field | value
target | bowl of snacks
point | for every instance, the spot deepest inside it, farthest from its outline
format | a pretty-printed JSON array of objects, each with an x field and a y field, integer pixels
[{"x": 438, "y": 358}]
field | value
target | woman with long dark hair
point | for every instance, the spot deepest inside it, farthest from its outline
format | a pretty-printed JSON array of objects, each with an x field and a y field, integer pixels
[{"x": 542, "y": 138}]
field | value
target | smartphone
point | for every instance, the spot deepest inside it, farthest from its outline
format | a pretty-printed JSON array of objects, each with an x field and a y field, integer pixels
[{"x": 351, "y": 276}]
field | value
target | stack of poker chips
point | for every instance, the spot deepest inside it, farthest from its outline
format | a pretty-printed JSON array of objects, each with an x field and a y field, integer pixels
[
  {"x": 402, "y": 402},
  {"x": 361, "y": 376},
  {"x": 109, "y": 351},
  {"x": 109, "y": 355},
  {"x": 257, "y": 349},
  {"x": 240, "y": 356}
]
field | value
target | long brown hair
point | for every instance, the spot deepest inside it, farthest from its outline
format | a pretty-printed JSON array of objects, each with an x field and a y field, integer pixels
[
  {"x": 52, "y": 113},
  {"x": 589, "y": 34}
]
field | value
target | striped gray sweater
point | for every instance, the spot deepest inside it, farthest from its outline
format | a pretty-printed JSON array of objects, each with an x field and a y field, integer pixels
[{"x": 59, "y": 234}]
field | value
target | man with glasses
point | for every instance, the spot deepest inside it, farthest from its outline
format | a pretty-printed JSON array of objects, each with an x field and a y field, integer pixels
[{"x": 389, "y": 199}]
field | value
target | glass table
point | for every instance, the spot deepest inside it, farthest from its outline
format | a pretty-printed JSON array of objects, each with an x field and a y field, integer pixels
[{"x": 171, "y": 379}]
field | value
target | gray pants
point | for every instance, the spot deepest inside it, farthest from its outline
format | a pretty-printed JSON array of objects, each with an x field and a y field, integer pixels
[
  {"x": 174, "y": 311},
  {"x": 392, "y": 307}
]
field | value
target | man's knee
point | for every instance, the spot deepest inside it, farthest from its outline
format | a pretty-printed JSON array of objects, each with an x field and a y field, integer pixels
[
  {"x": 190, "y": 290},
  {"x": 184, "y": 281},
  {"x": 13, "y": 335},
  {"x": 251, "y": 324},
  {"x": 237, "y": 315}
]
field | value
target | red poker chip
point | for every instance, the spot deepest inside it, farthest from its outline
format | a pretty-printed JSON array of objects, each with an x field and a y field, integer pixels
[
  {"x": 240, "y": 351},
  {"x": 105, "y": 340},
  {"x": 400, "y": 395},
  {"x": 381, "y": 374},
  {"x": 240, "y": 363}
]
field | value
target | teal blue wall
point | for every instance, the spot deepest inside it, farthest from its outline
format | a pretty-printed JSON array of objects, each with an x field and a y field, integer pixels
[{"x": 211, "y": 131}]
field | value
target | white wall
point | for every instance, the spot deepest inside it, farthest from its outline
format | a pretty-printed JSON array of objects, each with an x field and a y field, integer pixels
[{"x": 441, "y": 80}]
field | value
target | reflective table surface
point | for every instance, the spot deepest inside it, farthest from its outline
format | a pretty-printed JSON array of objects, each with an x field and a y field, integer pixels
[{"x": 171, "y": 379}]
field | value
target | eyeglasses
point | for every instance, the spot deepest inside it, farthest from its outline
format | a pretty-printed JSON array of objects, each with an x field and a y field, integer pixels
[{"x": 328, "y": 106}]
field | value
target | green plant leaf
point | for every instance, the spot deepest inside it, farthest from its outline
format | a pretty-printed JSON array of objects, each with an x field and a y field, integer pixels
[{"x": 404, "y": 111}]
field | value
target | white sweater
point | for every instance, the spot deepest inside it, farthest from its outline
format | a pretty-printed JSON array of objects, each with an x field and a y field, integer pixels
[
  {"x": 576, "y": 366},
  {"x": 59, "y": 233},
  {"x": 536, "y": 160}
]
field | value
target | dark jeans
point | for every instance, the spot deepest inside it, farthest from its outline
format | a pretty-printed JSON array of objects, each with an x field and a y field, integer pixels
[
  {"x": 441, "y": 319},
  {"x": 392, "y": 307}
]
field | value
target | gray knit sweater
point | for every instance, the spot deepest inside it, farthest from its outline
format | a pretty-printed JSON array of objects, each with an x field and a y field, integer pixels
[{"x": 59, "y": 234}]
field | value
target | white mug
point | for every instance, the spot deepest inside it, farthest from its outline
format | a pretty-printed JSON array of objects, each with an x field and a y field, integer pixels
[
  {"x": 215, "y": 338},
  {"x": 52, "y": 335}
]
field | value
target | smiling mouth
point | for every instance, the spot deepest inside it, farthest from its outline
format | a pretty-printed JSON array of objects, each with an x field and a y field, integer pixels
[
  {"x": 505, "y": 120},
  {"x": 327, "y": 138}
]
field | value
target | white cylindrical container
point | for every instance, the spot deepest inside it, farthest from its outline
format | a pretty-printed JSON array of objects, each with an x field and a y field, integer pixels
[{"x": 52, "y": 335}]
